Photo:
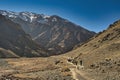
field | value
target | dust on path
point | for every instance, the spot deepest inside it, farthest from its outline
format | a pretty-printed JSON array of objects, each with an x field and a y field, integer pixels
[
  {"x": 76, "y": 75},
  {"x": 79, "y": 75}
]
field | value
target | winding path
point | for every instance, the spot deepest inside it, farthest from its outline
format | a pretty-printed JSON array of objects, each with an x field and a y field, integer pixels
[{"x": 78, "y": 74}]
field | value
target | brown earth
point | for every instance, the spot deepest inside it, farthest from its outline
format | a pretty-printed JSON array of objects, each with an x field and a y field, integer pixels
[{"x": 101, "y": 54}]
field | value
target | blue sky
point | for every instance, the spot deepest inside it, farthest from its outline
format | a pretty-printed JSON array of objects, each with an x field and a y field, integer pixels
[{"x": 94, "y": 15}]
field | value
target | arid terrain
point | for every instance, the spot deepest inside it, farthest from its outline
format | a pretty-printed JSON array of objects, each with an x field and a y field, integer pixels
[
  {"x": 52, "y": 68},
  {"x": 60, "y": 40},
  {"x": 101, "y": 54},
  {"x": 96, "y": 59}
]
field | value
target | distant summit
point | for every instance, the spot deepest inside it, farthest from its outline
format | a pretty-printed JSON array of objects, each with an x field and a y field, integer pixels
[
  {"x": 26, "y": 16},
  {"x": 54, "y": 33}
]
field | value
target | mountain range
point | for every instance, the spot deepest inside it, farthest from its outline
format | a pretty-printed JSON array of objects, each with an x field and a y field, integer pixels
[
  {"x": 87, "y": 55},
  {"x": 53, "y": 33}
]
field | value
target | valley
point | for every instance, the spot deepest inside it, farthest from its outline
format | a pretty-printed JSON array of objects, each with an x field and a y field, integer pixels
[
  {"x": 74, "y": 53},
  {"x": 36, "y": 69},
  {"x": 57, "y": 67}
]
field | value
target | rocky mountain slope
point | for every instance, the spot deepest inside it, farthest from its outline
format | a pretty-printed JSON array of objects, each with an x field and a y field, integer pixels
[
  {"x": 14, "y": 42},
  {"x": 101, "y": 54},
  {"x": 54, "y": 33}
]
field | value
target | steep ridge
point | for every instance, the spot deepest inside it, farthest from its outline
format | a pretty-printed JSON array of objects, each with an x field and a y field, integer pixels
[
  {"x": 15, "y": 43},
  {"x": 105, "y": 44},
  {"x": 54, "y": 33},
  {"x": 100, "y": 56}
]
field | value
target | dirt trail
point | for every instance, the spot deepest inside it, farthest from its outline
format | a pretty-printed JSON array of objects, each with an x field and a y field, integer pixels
[
  {"x": 76, "y": 75},
  {"x": 79, "y": 75}
]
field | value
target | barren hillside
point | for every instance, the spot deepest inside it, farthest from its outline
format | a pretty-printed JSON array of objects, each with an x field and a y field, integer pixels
[{"x": 101, "y": 54}]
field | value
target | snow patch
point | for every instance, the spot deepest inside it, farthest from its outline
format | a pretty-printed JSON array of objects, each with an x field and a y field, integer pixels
[
  {"x": 54, "y": 19},
  {"x": 12, "y": 16},
  {"x": 4, "y": 13},
  {"x": 46, "y": 16},
  {"x": 27, "y": 16},
  {"x": 32, "y": 17}
]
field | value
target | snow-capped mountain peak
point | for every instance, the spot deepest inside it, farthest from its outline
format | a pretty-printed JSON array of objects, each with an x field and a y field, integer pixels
[
  {"x": 26, "y": 16},
  {"x": 9, "y": 13}
]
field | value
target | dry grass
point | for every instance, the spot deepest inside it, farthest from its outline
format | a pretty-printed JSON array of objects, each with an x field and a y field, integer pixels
[
  {"x": 95, "y": 53},
  {"x": 105, "y": 45},
  {"x": 36, "y": 67}
]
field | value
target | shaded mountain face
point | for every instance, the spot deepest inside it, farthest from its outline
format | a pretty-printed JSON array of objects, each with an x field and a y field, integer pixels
[
  {"x": 14, "y": 42},
  {"x": 54, "y": 33},
  {"x": 103, "y": 49}
]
